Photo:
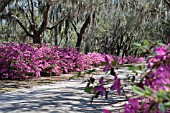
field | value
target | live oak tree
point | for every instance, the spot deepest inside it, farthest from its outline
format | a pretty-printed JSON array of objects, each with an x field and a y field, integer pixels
[
  {"x": 103, "y": 26},
  {"x": 32, "y": 16}
]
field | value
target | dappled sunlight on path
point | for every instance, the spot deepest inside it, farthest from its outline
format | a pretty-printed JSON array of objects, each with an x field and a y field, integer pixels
[{"x": 61, "y": 97}]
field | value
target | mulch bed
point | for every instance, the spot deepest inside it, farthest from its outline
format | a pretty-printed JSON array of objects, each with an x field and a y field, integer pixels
[{"x": 11, "y": 85}]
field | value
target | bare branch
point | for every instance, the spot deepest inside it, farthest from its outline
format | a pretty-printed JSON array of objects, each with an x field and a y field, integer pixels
[
  {"x": 167, "y": 2},
  {"x": 32, "y": 12},
  {"x": 3, "y": 4},
  {"x": 28, "y": 18},
  {"x": 85, "y": 25},
  {"x": 57, "y": 23},
  {"x": 45, "y": 19},
  {"x": 23, "y": 27},
  {"x": 75, "y": 28}
]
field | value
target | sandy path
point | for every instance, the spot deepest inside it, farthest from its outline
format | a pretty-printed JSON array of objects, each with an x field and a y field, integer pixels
[{"x": 61, "y": 97}]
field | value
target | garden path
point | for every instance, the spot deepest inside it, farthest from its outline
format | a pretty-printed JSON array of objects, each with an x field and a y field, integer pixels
[{"x": 61, "y": 97}]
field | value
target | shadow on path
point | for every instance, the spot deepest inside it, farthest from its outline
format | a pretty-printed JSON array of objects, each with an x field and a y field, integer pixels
[{"x": 62, "y": 97}]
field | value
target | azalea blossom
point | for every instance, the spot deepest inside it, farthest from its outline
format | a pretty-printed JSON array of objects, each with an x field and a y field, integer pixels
[
  {"x": 106, "y": 111},
  {"x": 132, "y": 106},
  {"x": 116, "y": 85},
  {"x": 161, "y": 50},
  {"x": 101, "y": 88}
]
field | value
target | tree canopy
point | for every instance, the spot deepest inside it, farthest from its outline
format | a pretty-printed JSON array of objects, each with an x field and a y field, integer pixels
[{"x": 105, "y": 26}]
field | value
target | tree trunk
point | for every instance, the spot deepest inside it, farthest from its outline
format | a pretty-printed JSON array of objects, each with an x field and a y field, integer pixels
[
  {"x": 37, "y": 39},
  {"x": 82, "y": 31},
  {"x": 118, "y": 50},
  {"x": 79, "y": 39},
  {"x": 55, "y": 36},
  {"x": 87, "y": 48}
]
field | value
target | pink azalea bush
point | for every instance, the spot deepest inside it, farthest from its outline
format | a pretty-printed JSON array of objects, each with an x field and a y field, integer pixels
[
  {"x": 94, "y": 59},
  {"x": 156, "y": 86},
  {"x": 71, "y": 60},
  {"x": 21, "y": 61},
  {"x": 18, "y": 61},
  {"x": 130, "y": 59}
]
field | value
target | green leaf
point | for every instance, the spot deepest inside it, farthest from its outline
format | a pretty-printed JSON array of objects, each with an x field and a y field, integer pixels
[
  {"x": 138, "y": 91},
  {"x": 160, "y": 92},
  {"x": 79, "y": 74},
  {"x": 144, "y": 47},
  {"x": 167, "y": 104},
  {"x": 135, "y": 72},
  {"x": 162, "y": 44},
  {"x": 151, "y": 107},
  {"x": 133, "y": 79},
  {"x": 168, "y": 85},
  {"x": 128, "y": 65},
  {"x": 76, "y": 76},
  {"x": 88, "y": 90},
  {"x": 137, "y": 44},
  {"x": 166, "y": 96},
  {"x": 148, "y": 91},
  {"x": 113, "y": 63},
  {"x": 104, "y": 63},
  {"x": 146, "y": 42},
  {"x": 134, "y": 68},
  {"x": 71, "y": 77},
  {"x": 162, "y": 107},
  {"x": 91, "y": 71}
]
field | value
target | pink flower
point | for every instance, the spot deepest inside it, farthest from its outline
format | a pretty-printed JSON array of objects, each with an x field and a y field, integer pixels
[
  {"x": 161, "y": 50},
  {"x": 132, "y": 106},
  {"x": 116, "y": 85},
  {"x": 101, "y": 88},
  {"x": 169, "y": 44},
  {"x": 107, "y": 66},
  {"x": 106, "y": 111}
]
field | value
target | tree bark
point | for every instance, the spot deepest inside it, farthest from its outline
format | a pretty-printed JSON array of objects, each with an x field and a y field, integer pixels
[
  {"x": 79, "y": 40},
  {"x": 3, "y": 4},
  {"x": 36, "y": 39},
  {"x": 87, "y": 49},
  {"x": 82, "y": 30},
  {"x": 167, "y": 2},
  {"x": 55, "y": 36}
]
